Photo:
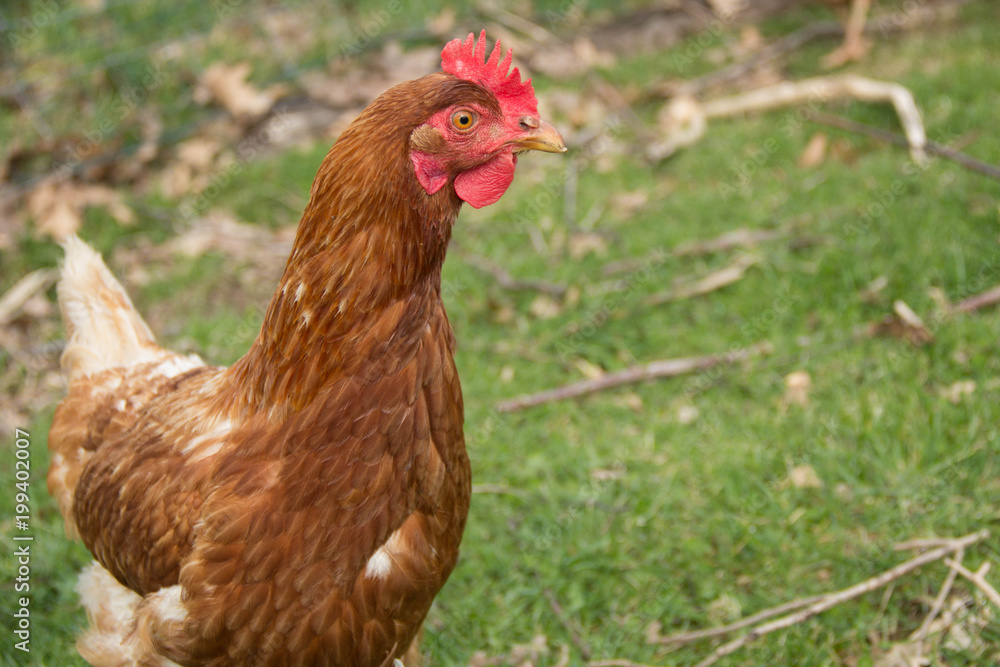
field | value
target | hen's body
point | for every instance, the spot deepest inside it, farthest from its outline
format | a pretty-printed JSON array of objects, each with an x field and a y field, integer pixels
[{"x": 305, "y": 505}]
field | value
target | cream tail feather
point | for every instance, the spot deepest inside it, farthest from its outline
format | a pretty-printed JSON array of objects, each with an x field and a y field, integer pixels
[{"x": 103, "y": 328}]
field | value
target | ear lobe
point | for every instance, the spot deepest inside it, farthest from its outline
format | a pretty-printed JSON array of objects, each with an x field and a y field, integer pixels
[{"x": 430, "y": 171}]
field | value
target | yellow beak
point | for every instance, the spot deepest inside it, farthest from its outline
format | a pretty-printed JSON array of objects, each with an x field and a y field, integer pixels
[{"x": 542, "y": 138}]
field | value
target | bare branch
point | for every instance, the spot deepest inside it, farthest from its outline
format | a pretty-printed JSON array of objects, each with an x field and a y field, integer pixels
[
  {"x": 981, "y": 300},
  {"x": 658, "y": 369},
  {"x": 931, "y": 147},
  {"x": 921, "y": 633},
  {"x": 688, "y": 637},
  {"x": 709, "y": 283},
  {"x": 21, "y": 292},
  {"x": 507, "y": 281},
  {"x": 567, "y": 622},
  {"x": 979, "y": 579},
  {"x": 689, "y": 117},
  {"x": 833, "y": 599}
]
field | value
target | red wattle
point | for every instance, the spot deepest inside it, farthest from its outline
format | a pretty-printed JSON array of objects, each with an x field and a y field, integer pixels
[{"x": 485, "y": 184}]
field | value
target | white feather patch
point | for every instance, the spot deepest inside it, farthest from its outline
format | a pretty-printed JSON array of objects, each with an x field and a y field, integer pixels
[{"x": 380, "y": 564}]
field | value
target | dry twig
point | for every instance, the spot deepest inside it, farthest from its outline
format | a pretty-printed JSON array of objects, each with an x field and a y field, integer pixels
[
  {"x": 895, "y": 22},
  {"x": 690, "y": 117},
  {"x": 658, "y": 369},
  {"x": 921, "y": 633},
  {"x": 695, "y": 635},
  {"x": 709, "y": 283},
  {"x": 931, "y": 147},
  {"x": 507, "y": 281},
  {"x": 14, "y": 299},
  {"x": 737, "y": 238},
  {"x": 833, "y": 599},
  {"x": 981, "y": 300},
  {"x": 567, "y": 622},
  {"x": 979, "y": 579}
]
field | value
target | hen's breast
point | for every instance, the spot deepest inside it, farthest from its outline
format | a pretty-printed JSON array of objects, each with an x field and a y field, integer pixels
[{"x": 326, "y": 537}]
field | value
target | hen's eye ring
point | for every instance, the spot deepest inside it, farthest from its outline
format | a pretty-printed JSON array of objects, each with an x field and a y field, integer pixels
[{"x": 463, "y": 119}]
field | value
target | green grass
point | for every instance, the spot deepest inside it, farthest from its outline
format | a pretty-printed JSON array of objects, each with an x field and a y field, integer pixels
[{"x": 695, "y": 517}]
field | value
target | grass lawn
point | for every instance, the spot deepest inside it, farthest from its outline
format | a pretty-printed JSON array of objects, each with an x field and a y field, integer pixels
[{"x": 685, "y": 502}]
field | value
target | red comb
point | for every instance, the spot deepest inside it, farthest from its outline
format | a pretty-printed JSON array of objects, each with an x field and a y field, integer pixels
[{"x": 467, "y": 60}]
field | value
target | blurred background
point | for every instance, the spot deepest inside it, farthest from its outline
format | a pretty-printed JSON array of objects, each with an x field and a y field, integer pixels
[{"x": 800, "y": 195}]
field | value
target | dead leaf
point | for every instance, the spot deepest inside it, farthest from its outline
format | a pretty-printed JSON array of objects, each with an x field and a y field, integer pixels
[
  {"x": 904, "y": 324},
  {"x": 872, "y": 291},
  {"x": 624, "y": 205},
  {"x": 686, "y": 414},
  {"x": 633, "y": 401},
  {"x": 724, "y": 609},
  {"x": 607, "y": 474},
  {"x": 58, "y": 206},
  {"x": 442, "y": 24},
  {"x": 227, "y": 85},
  {"x": 797, "y": 386},
  {"x": 652, "y": 633},
  {"x": 901, "y": 654},
  {"x": 195, "y": 158},
  {"x": 815, "y": 151},
  {"x": 804, "y": 477},
  {"x": 956, "y": 391},
  {"x": 220, "y": 231},
  {"x": 590, "y": 371},
  {"x": 750, "y": 39},
  {"x": 584, "y": 243},
  {"x": 564, "y": 61},
  {"x": 544, "y": 307}
]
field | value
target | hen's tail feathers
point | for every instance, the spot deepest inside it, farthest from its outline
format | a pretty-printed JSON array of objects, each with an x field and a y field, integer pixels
[{"x": 103, "y": 328}]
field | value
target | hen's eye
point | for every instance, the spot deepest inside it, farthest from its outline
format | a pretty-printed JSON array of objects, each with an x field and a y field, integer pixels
[{"x": 463, "y": 119}]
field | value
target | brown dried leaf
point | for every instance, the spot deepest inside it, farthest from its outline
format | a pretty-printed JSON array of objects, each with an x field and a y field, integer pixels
[
  {"x": 195, "y": 158},
  {"x": 872, "y": 291},
  {"x": 58, "y": 206},
  {"x": 589, "y": 370},
  {"x": 956, "y": 391},
  {"x": 624, "y": 205},
  {"x": 904, "y": 324},
  {"x": 607, "y": 474},
  {"x": 442, "y": 24},
  {"x": 815, "y": 151},
  {"x": 227, "y": 85},
  {"x": 544, "y": 307},
  {"x": 686, "y": 414},
  {"x": 220, "y": 231},
  {"x": 584, "y": 243},
  {"x": 804, "y": 477},
  {"x": 564, "y": 61},
  {"x": 797, "y": 386}
]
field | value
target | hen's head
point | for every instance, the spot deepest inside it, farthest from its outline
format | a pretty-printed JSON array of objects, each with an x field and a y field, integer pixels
[{"x": 476, "y": 140}]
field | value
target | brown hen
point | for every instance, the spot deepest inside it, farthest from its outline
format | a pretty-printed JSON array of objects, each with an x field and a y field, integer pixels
[{"x": 304, "y": 506}]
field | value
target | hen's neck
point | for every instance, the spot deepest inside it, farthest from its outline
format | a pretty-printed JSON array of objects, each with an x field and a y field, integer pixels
[{"x": 361, "y": 283}]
